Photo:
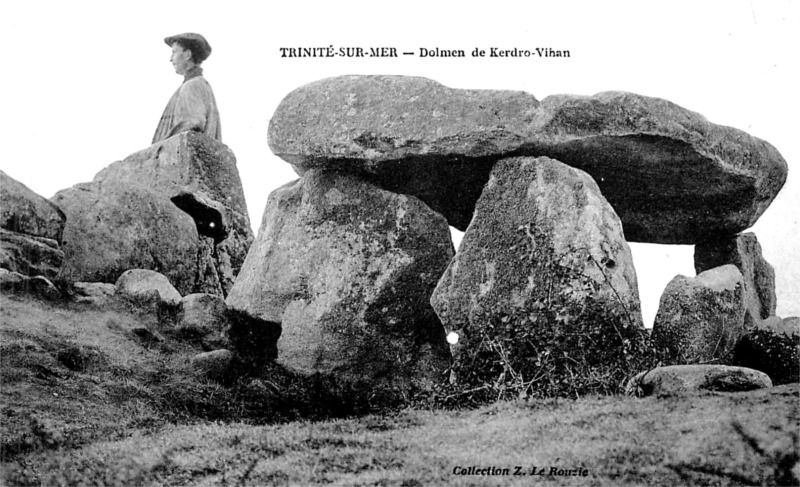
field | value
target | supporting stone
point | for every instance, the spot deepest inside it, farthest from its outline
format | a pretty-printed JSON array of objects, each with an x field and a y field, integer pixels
[
  {"x": 543, "y": 282},
  {"x": 701, "y": 319},
  {"x": 348, "y": 270},
  {"x": 744, "y": 252}
]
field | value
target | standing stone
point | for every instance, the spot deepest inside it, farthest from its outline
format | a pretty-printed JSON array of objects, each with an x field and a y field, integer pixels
[
  {"x": 700, "y": 319},
  {"x": 115, "y": 226},
  {"x": 671, "y": 175},
  {"x": 773, "y": 347},
  {"x": 348, "y": 270},
  {"x": 543, "y": 277},
  {"x": 744, "y": 252}
]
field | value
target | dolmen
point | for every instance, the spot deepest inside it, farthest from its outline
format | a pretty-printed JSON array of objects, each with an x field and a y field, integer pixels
[{"x": 354, "y": 258}]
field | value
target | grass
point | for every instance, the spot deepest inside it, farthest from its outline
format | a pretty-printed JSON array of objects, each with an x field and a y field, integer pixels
[
  {"x": 86, "y": 400},
  {"x": 617, "y": 440},
  {"x": 88, "y": 373}
]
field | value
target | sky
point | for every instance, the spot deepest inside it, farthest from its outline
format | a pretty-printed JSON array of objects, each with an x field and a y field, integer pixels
[{"x": 84, "y": 83}]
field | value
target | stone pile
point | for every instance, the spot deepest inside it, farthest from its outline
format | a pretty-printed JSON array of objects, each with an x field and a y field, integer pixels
[
  {"x": 176, "y": 208},
  {"x": 348, "y": 257}
]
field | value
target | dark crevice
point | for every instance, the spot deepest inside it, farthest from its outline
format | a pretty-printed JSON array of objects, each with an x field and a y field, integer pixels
[{"x": 208, "y": 215}]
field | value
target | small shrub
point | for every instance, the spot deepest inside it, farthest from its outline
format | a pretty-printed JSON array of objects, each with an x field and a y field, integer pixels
[{"x": 572, "y": 342}]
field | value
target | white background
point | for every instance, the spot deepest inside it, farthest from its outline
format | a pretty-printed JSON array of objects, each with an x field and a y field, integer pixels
[{"x": 84, "y": 83}]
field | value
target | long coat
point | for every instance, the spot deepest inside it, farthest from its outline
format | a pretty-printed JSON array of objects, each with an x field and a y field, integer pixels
[{"x": 192, "y": 107}]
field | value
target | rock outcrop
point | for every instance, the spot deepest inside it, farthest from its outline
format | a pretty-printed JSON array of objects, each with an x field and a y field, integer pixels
[
  {"x": 773, "y": 347},
  {"x": 670, "y": 175},
  {"x": 30, "y": 255},
  {"x": 138, "y": 211},
  {"x": 347, "y": 269},
  {"x": 115, "y": 226},
  {"x": 24, "y": 211},
  {"x": 14, "y": 282},
  {"x": 683, "y": 379},
  {"x": 31, "y": 229},
  {"x": 744, "y": 252},
  {"x": 200, "y": 176},
  {"x": 543, "y": 277},
  {"x": 701, "y": 319}
]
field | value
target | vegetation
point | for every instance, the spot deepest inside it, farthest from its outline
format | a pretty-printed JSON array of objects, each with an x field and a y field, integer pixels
[
  {"x": 108, "y": 396},
  {"x": 576, "y": 340},
  {"x": 75, "y": 373}
]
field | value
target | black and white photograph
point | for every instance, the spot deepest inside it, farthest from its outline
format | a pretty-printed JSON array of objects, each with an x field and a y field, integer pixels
[{"x": 400, "y": 244}]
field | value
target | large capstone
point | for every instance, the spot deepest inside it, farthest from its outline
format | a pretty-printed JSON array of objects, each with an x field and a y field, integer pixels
[
  {"x": 671, "y": 176},
  {"x": 543, "y": 284},
  {"x": 744, "y": 252},
  {"x": 409, "y": 135},
  {"x": 700, "y": 319},
  {"x": 348, "y": 270}
]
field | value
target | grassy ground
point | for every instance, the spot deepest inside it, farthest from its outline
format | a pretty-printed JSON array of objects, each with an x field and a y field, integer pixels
[{"x": 89, "y": 398}]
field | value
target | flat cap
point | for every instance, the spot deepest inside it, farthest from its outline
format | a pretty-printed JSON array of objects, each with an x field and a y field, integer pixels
[{"x": 196, "y": 43}]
